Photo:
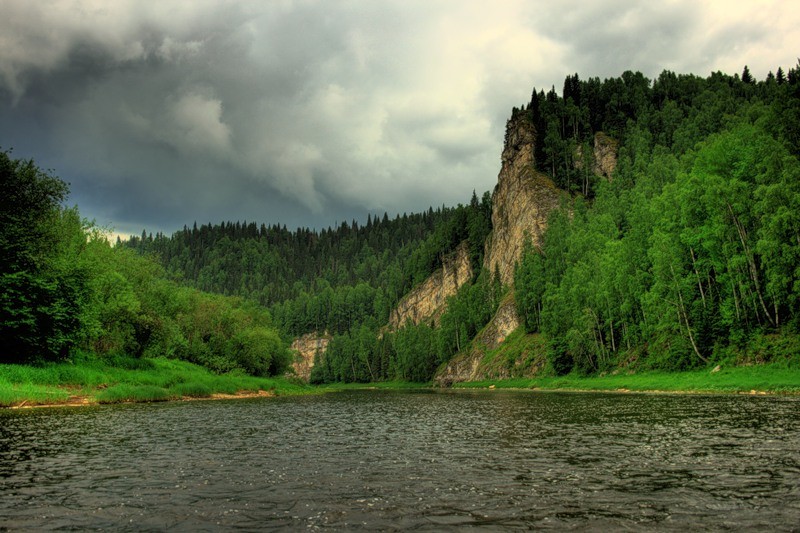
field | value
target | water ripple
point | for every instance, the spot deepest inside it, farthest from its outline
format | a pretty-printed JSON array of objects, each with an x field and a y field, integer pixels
[{"x": 424, "y": 460}]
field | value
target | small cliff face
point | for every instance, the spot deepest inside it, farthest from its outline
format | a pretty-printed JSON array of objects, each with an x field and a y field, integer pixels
[
  {"x": 522, "y": 201},
  {"x": 307, "y": 347},
  {"x": 605, "y": 155},
  {"x": 427, "y": 301},
  {"x": 467, "y": 366}
]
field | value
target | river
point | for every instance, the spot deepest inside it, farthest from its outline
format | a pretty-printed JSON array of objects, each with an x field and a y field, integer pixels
[{"x": 430, "y": 460}]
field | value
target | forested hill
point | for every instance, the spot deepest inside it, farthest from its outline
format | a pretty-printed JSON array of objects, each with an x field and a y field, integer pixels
[
  {"x": 682, "y": 251},
  {"x": 322, "y": 280},
  {"x": 689, "y": 254}
]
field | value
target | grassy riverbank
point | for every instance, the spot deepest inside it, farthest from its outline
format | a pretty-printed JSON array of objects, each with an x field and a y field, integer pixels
[
  {"x": 129, "y": 380},
  {"x": 147, "y": 380},
  {"x": 767, "y": 379}
]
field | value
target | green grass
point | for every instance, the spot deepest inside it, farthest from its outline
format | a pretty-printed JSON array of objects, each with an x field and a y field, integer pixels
[
  {"x": 519, "y": 353},
  {"x": 761, "y": 378},
  {"x": 93, "y": 381},
  {"x": 123, "y": 381}
]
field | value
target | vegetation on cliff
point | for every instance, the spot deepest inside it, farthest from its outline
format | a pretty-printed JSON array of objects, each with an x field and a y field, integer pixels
[
  {"x": 691, "y": 252},
  {"x": 344, "y": 281}
]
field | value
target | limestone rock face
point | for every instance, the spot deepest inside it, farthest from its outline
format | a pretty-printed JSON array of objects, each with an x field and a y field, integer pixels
[
  {"x": 427, "y": 301},
  {"x": 605, "y": 155},
  {"x": 521, "y": 203},
  {"x": 306, "y": 347}
]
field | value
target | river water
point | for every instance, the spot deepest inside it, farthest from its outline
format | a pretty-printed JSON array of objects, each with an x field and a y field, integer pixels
[{"x": 427, "y": 460}]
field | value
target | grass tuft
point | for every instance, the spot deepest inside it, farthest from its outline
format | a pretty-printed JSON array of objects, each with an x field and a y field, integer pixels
[{"x": 133, "y": 393}]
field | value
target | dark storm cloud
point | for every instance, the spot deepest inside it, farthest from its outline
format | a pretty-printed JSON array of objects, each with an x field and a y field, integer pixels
[{"x": 308, "y": 113}]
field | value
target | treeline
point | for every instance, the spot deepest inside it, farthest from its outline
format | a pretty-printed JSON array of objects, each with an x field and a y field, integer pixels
[
  {"x": 64, "y": 289},
  {"x": 679, "y": 110},
  {"x": 332, "y": 280},
  {"x": 692, "y": 249}
]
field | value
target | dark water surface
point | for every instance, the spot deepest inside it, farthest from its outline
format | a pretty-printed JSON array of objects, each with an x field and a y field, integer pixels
[{"x": 375, "y": 460}]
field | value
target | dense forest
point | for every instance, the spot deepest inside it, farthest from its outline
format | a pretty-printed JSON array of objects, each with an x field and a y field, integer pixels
[
  {"x": 65, "y": 292},
  {"x": 692, "y": 250},
  {"x": 321, "y": 280},
  {"x": 343, "y": 281},
  {"x": 688, "y": 252}
]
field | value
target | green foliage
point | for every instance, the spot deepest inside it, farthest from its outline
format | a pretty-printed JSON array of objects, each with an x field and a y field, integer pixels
[
  {"x": 692, "y": 249},
  {"x": 773, "y": 379},
  {"x": 63, "y": 287},
  {"x": 334, "y": 280},
  {"x": 415, "y": 351},
  {"x": 43, "y": 275},
  {"x": 259, "y": 352},
  {"x": 126, "y": 379}
]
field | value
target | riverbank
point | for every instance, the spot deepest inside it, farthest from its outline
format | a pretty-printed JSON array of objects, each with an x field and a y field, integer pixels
[
  {"x": 130, "y": 380},
  {"x": 153, "y": 380},
  {"x": 757, "y": 379}
]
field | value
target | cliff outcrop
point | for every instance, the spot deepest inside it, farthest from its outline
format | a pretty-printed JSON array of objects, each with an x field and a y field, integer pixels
[
  {"x": 605, "y": 155},
  {"x": 306, "y": 348},
  {"x": 427, "y": 301},
  {"x": 521, "y": 203}
]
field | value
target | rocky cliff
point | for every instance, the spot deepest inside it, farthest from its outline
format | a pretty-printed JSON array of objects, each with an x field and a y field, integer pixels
[
  {"x": 605, "y": 155},
  {"x": 306, "y": 347},
  {"x": 521, "y": 203},
  {"x": 427, "y": 301},
  {"x": 471, "y": 364}
]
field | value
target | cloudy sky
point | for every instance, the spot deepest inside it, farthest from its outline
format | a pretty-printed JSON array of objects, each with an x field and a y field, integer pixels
[{"x": 309, "y": 113}]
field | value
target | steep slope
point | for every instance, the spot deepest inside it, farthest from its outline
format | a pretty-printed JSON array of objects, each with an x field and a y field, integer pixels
[
  {"x": 427, "y": 301},
  {"x": 522, "y": 201}
]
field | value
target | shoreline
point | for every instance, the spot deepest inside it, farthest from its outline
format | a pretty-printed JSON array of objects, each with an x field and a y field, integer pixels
[
  {"x": 77, "y": 385},
  {"x": 637, "y": 391},
  {"x": 88, "y": 401}
]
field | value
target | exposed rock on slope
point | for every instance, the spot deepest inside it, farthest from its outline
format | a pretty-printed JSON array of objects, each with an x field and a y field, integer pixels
[
  {"x": 522, "y": 201},
  {"x": 467, "y": 366},
  {"x": 427, "y": 301},
  {"x": 307, "y": 347},
  {"x": 605, "y": 155}
]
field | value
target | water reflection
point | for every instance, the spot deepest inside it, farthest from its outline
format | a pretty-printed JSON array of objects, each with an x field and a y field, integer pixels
[{"x": 426, "y": 460}]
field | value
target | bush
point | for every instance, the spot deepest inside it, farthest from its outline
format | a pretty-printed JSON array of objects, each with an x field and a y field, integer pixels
[
  {"x": 559, "y": 357},
  {"x": 259, "y": 351}
]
